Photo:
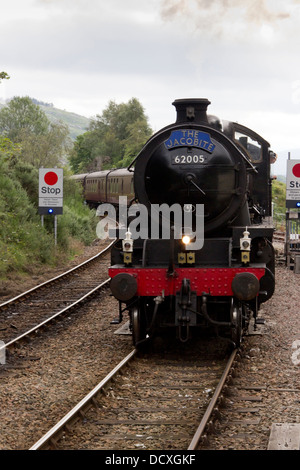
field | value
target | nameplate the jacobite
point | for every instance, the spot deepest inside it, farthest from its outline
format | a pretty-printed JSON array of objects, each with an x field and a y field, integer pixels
[{"x": 190, "y": 138}]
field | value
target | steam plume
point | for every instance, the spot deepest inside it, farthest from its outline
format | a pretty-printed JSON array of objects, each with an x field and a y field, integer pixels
[{"x": 217, "y": 11}]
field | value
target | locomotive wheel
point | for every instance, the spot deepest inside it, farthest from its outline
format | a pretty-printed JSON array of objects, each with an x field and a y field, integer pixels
[
  {"x": 245, "y": 317},
  {"x": 236, "y": 322},
  {"x": 138, "y": 326}
]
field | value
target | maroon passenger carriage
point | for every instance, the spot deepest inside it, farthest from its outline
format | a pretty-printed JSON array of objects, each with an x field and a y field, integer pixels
[{"x": 106, "y": 186}]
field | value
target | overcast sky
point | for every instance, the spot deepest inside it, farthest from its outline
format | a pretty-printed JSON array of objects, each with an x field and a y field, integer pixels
[{"x": 79, "y": 54}]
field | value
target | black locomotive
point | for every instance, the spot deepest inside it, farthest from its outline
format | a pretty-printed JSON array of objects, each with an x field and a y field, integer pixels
[{"x": 167, "y": 283}]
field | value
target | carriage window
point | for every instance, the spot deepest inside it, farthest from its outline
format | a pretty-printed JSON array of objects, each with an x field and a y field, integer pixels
[{"x": 252, "y": 147}]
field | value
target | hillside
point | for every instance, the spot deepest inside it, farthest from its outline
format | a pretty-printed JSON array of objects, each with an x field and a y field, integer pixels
[{"x": 76, "y": 123}]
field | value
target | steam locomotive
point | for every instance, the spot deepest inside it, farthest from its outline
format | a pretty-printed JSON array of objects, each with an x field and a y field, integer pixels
[{"x": 202, "y": 259}]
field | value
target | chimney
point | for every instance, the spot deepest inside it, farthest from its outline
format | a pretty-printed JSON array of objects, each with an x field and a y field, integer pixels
[{"x": 191, "y": 110}]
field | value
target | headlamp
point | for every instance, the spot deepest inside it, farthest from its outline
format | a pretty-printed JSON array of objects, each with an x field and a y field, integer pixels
[{"x": 186, "y": 239}]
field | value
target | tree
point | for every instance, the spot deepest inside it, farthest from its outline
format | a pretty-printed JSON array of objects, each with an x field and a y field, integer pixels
[
  {"x": 138, "y": 134},
  {"x": 42, "y": 143},
  {"x": 8, "y": 150},
  {"x": 117, "y": 135},
  {"x": 47, "y": 150},
  {"x": 22, "y": 115},
  {"x": 4, "y": 76},
  {"x": 118, "y": 116},
  {"x": 81, "y": 155}
]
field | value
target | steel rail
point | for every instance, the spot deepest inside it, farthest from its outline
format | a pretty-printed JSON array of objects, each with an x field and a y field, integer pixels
[
  {"x": 195, "y": 441},
  {"x": 48, "y": 320},
  {"x": 59, "y": 427},
  {"x": 39, "y": 286}
]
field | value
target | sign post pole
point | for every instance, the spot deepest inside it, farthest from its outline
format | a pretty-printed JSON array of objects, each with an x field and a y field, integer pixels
[{"x": 55, "y": 230}]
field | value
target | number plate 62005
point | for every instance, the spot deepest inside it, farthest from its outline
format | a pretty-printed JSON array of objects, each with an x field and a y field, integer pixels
[{"x": 188, "y": 159}]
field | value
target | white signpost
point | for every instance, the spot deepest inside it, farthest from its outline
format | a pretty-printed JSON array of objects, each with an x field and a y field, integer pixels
[
  {"x": 293, "y": 184},
  {"x": 292, "y": 247},
  {"x": 51, "y": 194}
]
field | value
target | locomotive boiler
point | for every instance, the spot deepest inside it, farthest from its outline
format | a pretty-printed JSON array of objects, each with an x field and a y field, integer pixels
[{"x": 216, "y": 175}]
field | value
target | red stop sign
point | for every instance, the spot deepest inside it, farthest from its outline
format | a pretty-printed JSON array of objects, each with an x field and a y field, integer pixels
[
  {"x": 50, "y": 178},
  {"x": 296, "y": 170}
]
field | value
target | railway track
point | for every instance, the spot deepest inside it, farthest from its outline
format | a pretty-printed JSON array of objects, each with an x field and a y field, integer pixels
[
  {"x": 32, "y": 310},
  {"x": 157, "y": 402},
  {"x": 23, "y": 309},
  {"x": 244, "y": 404}
]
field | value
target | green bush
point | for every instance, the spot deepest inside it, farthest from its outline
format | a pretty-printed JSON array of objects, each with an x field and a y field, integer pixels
[
  {"x": 24, "y": 247},
  {"x": 279, "y": 201}
]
